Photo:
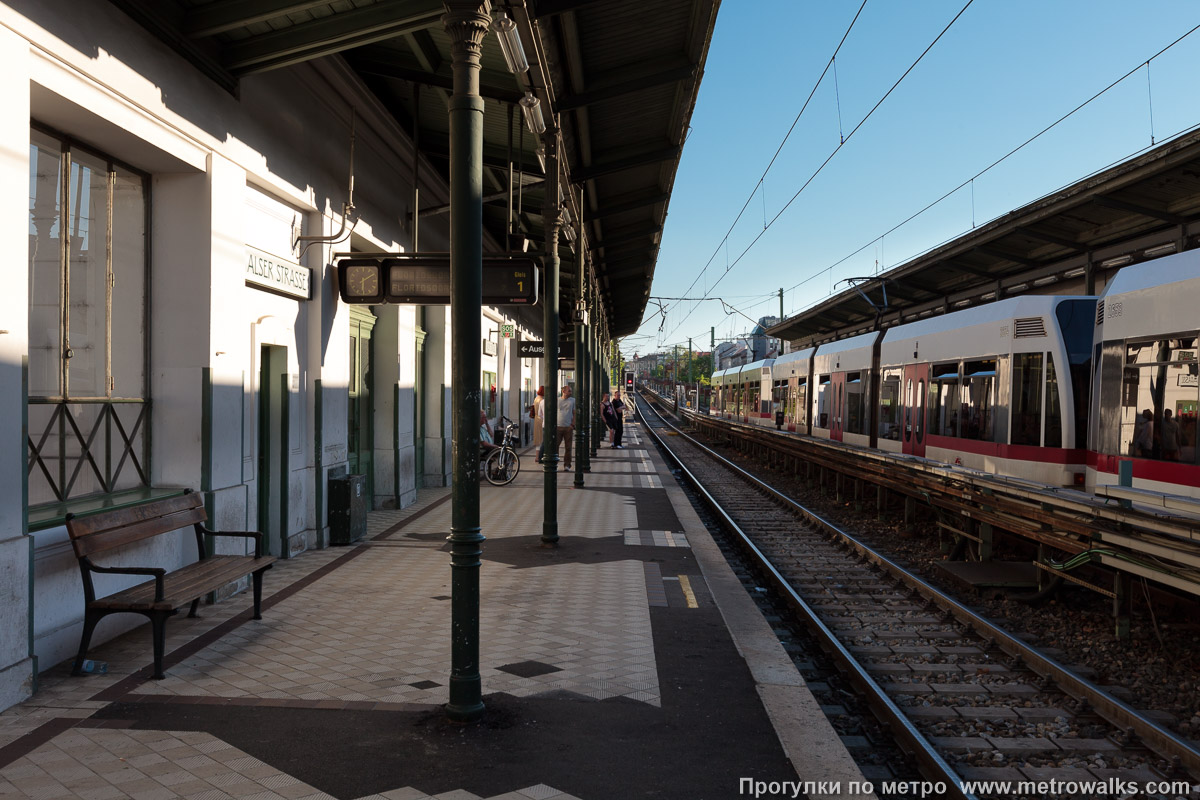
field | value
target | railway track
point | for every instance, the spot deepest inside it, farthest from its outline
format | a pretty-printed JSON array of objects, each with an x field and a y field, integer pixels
[{"x": 966, "y": 699}]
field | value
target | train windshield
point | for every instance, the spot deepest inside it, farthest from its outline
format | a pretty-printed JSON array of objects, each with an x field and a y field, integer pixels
[{"x": 1076, "y": 320}]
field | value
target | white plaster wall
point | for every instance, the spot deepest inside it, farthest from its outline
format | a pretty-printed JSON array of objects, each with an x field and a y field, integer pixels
[
  {"x": 95, "y": 75},
  {"x": 16, "y": 667}
]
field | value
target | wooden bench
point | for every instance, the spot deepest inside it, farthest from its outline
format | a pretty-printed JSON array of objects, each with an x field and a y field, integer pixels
[{"x": 168, "y": 591}]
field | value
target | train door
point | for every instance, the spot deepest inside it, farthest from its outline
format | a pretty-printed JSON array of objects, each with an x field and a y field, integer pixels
[
  {"x": 837, "y": 408},
  {"x": 916, "y": 385}
]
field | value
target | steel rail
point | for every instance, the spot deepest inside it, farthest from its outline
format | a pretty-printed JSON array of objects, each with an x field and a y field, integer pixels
[
  {"x": 1065, "y": 519},
  {"x": 1119, "y": 714},
  {"x": 929, "y": 761}
]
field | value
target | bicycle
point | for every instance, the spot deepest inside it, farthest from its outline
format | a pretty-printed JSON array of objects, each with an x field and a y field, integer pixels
[{"x": 503, "y": 463}]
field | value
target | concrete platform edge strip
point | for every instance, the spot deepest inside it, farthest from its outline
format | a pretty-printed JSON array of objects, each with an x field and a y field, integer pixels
[{"x": 808, "y": 739}]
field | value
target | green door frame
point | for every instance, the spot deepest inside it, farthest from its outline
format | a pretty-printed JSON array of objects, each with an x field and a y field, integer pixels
[
  {"x": 361, "y": 447},
  {"x": 419, "y": 404}
]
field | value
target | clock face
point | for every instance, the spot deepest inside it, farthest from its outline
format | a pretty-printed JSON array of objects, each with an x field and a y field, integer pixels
[{"x": 362, "y": 281}]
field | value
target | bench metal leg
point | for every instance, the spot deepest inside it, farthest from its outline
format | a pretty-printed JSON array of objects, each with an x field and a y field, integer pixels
[
  {"x": 195, "y": 605},
  {"x": 258, "y": 576},
  {"x": 90, "y": 618},
  {"x": 158, "y": 624}
]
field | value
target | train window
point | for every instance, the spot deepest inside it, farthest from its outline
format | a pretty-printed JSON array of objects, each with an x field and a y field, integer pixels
[
  {"x": 779, "y": 396},
  {"x": 1160, "y": 379},
  {"x": 802, "y": 401},
  {"x": 889, "y": 404},
  {"x": 1053, "y": 436},
  {"x": 919, "y": 413},
  {"x": 824, "y": 399},
  {"x": 908, "y": 410},
  {"x": 856, "y": 403},
  {"x": 978, "y": 399},
  {"x": 1027, "y": 398},
  {"x": 943, "y": 399},
  {"x": 1076, "y": 320}
]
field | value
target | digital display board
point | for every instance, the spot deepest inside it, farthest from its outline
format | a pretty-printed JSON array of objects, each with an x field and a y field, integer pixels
[{"x": 425, "y": 280}]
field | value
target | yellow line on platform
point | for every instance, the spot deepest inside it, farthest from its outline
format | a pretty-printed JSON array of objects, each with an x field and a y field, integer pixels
[{"x": 686, "y": 585}]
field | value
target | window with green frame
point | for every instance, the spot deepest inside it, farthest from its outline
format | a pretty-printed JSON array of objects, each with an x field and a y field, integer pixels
[{"x": 88, "y": 391}]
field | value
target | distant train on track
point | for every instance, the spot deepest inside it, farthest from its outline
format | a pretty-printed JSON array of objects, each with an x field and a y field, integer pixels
[{"x": 1057, "y": 389}]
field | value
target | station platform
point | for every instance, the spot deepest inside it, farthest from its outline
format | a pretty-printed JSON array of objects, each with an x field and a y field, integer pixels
[{"x": 628, "y": 661}]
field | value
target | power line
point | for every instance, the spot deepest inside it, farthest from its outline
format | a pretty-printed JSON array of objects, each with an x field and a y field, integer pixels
[
  {"x": 724, "y": 241},
  {"x": 836, "y": 150},
  {"x": 1006, "y": 156}
]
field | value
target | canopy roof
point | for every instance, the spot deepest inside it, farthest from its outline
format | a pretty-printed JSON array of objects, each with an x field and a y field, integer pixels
[{"x": 622, "y": 76}]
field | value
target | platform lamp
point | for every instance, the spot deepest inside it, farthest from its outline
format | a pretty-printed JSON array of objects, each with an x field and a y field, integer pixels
[
  {"x": 510, "y": 44},
  {"x": 531, "y": 107}
]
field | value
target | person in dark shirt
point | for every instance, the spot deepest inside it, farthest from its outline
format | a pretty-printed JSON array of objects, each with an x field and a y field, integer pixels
[{"x": 619, "y": 414}]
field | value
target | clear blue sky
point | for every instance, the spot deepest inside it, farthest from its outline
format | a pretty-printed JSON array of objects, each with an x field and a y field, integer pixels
[{"x": 1005, "y": 70}]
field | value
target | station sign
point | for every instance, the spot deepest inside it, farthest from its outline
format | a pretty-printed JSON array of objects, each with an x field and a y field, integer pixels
[
  {"x": 529, "y": 349},
  {"x": 274, "y": 274},
  {"x": 424, "y": 279}
]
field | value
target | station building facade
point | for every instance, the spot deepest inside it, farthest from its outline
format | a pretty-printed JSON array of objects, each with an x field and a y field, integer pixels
[{"x": 170, "y": 317}]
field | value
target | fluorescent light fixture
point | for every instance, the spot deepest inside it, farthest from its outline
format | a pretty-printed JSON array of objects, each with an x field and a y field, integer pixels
[
  {"x": 541, "y": 157},
  {"x": 566, "y": 215},
  {"x": 1161, "y": 250},
  {"x": 510, "y": 44},
  {"x": 531, "y": 107},
  {"x": 1020, "y": 287},
  {"x": 1119, "y": 261},
  {"x": 1046, "y": 280},
  {"x": 1075, "y": 273}
]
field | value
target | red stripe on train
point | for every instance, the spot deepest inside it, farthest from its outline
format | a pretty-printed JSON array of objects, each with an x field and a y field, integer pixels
[
  {"x": 1148, "y": 469},
  {"x": 1016, "y": 452}
]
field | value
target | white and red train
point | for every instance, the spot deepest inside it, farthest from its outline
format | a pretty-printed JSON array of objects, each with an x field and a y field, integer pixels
[{"x": 1062, "y": 390}]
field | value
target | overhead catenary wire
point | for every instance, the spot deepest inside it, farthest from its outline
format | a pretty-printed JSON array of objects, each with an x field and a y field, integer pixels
[
  {"x": 836, "y": 150},
  {"x": 725, "y": 241},
  {"x": 1001, "y": 159}
]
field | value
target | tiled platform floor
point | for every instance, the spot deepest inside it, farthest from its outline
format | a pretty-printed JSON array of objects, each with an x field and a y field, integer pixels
[{"x": 365, "y": 629}]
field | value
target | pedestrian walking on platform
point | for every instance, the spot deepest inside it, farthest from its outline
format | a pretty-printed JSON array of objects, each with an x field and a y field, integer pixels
[
  {"x": 566, "y": 424},
  {"x": 609, "y": 416},
  {"x": 619, "y": 415}
]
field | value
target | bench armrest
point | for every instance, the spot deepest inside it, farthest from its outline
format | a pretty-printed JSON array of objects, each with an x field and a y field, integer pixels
[
  {"x": 158, "y": 573},
  {"x": 255, "y": 535}
]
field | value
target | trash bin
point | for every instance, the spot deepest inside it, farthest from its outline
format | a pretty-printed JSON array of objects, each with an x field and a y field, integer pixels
[{"x": 347, "y": 509}]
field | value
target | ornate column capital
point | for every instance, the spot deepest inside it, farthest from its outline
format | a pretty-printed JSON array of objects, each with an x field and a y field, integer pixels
[{"x": 467, "y": 22}]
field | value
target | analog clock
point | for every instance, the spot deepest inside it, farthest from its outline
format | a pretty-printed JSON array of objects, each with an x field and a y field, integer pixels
[{"x": 360, "y": 282}]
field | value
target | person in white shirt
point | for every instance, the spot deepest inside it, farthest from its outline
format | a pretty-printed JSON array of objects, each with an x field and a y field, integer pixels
[{"x": 566, "y": 423}]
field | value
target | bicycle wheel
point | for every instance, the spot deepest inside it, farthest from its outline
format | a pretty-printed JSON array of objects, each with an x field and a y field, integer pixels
[{"x": 502, "y": 466}]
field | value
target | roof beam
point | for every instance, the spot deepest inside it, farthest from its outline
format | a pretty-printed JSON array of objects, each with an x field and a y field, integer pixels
[
  {"x": 996, "y": 252},
  {"x": 1154, "y": 213},
  {"x": 629, "y": 162},
  {"x": 623, "y": 88},
  {"x": 1052, "y": 239},
  {"x": 632, "y": 204},
  {"x": 226, "y": 15},
  {"x": 323, "y": 37},
  {"x": 979, "y": 273},
  {"x": 384, "y": 68},
  {"x": 630, "y": 234},
  {"x": 547, "y": 8}
]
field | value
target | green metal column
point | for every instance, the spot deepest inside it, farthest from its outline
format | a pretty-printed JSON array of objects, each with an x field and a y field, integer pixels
[
  {"x": 550, "y": 336},
  {"x": 594, "y": 425},
  {"x": 585, "y": 370},
  {"x": 581, "y": 395},
  {"x": 466, "y": 21}
]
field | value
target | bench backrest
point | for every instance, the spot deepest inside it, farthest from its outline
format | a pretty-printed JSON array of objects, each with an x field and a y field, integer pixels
[{"x": 122, "y": 526}]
